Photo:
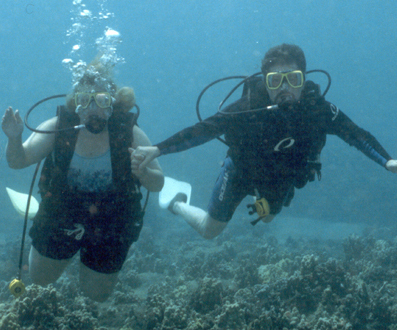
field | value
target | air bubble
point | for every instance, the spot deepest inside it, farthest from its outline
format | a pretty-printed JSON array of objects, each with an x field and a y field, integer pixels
[
  {"x": 67, "y": 61},
  {"x": 112, "y": 34},
  {"x": 86, "y": 13}
]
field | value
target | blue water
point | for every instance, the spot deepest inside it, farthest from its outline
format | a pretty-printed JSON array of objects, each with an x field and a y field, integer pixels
[{"x": 173, "y": 49}]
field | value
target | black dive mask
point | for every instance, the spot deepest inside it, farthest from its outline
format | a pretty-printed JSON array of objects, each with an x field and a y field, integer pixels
[{"x": 95, "y": 124}]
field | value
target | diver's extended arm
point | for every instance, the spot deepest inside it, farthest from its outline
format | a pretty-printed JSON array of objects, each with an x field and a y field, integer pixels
[
  {"x": 150, "y": 175},
  {"x": 342, "y": 126}
]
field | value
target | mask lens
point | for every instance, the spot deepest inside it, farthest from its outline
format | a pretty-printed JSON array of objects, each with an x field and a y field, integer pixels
[
  {"x": 274, "y": 80},
  {"x": 103, "y": 100},
  {"x": 82, "y": 99},
  {"x": 295, "y": 78}
]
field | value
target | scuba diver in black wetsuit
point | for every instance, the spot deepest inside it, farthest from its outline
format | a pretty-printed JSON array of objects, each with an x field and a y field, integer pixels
[
  {"x": 90, "y": 192},
  {"x": 272, "y": 149}
]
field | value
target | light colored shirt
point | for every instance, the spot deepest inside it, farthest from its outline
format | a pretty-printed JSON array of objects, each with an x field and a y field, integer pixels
[{"x": 91, "y": 174}]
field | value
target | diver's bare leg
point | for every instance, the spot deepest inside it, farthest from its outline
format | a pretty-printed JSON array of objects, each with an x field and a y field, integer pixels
[
  {"x": 200, "y": 220},
  {"x": 97, "y": 286},
  {"x": 44, "y": 270}
]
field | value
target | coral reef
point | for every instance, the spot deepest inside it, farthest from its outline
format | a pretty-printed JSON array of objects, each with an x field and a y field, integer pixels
[{"x": 232, "y": 282}]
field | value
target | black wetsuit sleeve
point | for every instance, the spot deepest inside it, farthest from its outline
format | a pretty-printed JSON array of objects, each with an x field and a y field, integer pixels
[
  {"x": 341, "y": 125},
  {"x": 195, "y": 135}
]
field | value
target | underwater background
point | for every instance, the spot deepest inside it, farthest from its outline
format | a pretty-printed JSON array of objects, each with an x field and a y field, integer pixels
[{"x": 326, "y": 262}]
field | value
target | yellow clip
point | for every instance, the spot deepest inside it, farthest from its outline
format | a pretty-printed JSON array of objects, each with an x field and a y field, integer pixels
[
  {"x": 17, "y": 288},
  {"x": 262, "y": 207}
]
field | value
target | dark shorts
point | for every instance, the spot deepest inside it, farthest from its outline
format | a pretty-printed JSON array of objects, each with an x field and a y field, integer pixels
[
  {"x": 103, "y": 229},
  {"x": 231, "y": 188}
]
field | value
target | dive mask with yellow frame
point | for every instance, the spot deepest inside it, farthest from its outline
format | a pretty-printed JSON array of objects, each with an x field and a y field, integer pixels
[
  {"x": 102, "y": 99},
  {"x": 294, "y": 78}
]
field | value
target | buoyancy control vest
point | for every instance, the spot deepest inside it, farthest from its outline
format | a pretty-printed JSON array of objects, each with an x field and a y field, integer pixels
[
  {"x": 53, "y": 180},
  {"x": 255, "y": 98}
]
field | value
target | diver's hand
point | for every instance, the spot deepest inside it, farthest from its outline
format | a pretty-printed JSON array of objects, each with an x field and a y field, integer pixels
[
  {"x": 391, "y": 165},
  {"x": 141, "y": 157},
  {"x": 12, "y": 123},
  {"x": 136, "y": 160}
]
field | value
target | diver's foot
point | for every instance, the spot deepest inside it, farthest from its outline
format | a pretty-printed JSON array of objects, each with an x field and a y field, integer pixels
[{"x": 179, "y": 197}]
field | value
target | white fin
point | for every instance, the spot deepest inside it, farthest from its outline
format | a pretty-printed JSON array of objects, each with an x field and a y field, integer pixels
[
  {"x": 19, "y": 201},
  {"x": 171, "y": 188}
]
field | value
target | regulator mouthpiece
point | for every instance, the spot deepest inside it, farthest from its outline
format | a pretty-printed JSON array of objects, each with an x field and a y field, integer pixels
[{"x": 95, "y": 124}]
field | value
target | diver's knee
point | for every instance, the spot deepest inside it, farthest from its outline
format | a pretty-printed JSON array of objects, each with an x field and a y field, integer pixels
[
  {"x": 41, "y": 280},
  {"x": 212, "y": 227},
  {"x": 210, "y": 235},
  {"x": 95, "y": 285},
  {"x": 43, "y": 276},
  {"x": 44, "y": 270},
  {"x": 96, "y": 291}
]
